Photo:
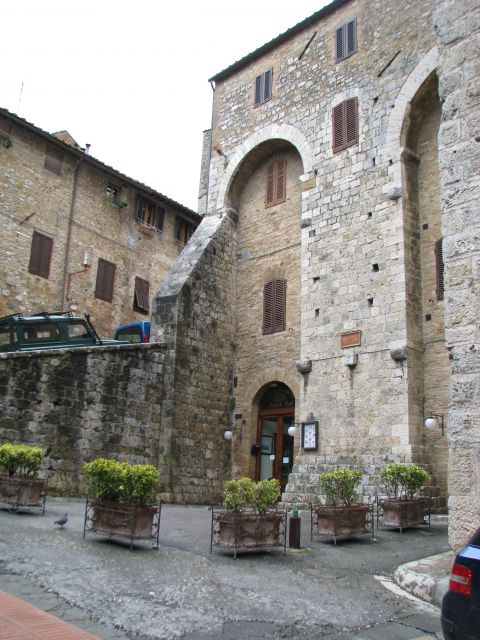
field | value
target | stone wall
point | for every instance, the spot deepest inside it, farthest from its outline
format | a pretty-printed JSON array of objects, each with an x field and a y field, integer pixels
[
  {"x": 73, "y": 209},
  {"x": 360, "y": 253},
  {"x": 86, "y": 403},
  {"x": 458, "y": 26},
  {"x": 193, "y": 315}
]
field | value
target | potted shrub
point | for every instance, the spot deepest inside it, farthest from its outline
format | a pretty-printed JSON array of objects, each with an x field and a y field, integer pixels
[
  {"x": 249, "y": 519},
  {"x": 123, "y": 497},
  {"x": 340, "y": 515},
  {"x": 19, "y": 484},
  {"x": 403, "y": 508}
]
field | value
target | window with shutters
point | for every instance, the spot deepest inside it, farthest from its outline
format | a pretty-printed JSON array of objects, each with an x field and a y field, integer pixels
[
  {"x": 53, "y": 160},
  {"x": 149, "y": 213},
  {"x": 40, "y": 255},
  {"x": 346, "y": 40},
  {"x": 274, "y": 297},
  {"x": 263, "y": 88},
  {"x": 345, "y": 124},
  {"x": 439, "y": 269},
  {"x": 140, "y": 296},
  {"x": 276, "y": 182},
  {"x": 105, "y": 280},
  {"x": 183, "y": 230}
]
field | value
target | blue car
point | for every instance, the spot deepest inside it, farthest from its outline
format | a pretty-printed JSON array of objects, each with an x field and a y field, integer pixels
[
  {"x": 133, "y": 332},
  {"x": 461, "y": 603}
]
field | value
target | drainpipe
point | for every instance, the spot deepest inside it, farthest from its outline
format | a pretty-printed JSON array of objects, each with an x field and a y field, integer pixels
[{"x": 69, "y": 233}]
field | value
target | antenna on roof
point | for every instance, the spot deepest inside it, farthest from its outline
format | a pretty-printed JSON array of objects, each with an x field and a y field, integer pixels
[{"x": 20, "y": 99}]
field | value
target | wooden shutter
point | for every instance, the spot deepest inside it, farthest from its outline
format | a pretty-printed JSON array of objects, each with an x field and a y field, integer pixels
[
  {"x": 105, "y": 280},
  {"x": 270, "y": 185},
  {"x": 279, "y": 313},
  {"x": 439, "y": 267},
  {"x": 258, "y": 90},
  {"x": 345, "y": 124},
  {"x": 40, "y": 255},
  {"x": 267, "y": 85},
  {"x": 53, "y": 160},
  {"x": 274, "y": 297},
  {"x": 268, "y": 306},
  {"x": 346, "y": 40},
  {"x": 276, "y": 182},
  {"x": 140, "y": 298}
]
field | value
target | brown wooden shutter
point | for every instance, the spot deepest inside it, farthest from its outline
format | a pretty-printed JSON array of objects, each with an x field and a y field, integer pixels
[
  {"x": 280, "y": 180},
  {"x": 279, "y": 315},
  {"x": 345, "y": 124},
  {"x": 337, "y": 127},
  {"x": 40, "y": 255},
  {"x": 267, "y": 85},
  {"x": 270, "y": 185},
  {"x": 53, "y": 160},
  {"x": 105, "y": 280},
  {"x": 141, "y": 295},
  {"x": 268, "y": 306},
  {"x": 351, "y": 37},
  {"x": 258, "y": 90},
  {"x": 339, "y": 53},
  {"x": 439, "y": 265}
]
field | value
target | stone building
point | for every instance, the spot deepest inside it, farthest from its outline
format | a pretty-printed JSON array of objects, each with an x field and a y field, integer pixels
[
  {"x": 338, "y": 256},
  {"x": 77, "y": 234}
]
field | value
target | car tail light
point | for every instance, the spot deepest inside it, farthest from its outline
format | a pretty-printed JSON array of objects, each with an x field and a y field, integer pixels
[{"x": 461, "y": 579}]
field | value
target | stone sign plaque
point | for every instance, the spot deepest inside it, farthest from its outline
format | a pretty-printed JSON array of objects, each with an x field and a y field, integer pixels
[{"x": 350, "y": 339}]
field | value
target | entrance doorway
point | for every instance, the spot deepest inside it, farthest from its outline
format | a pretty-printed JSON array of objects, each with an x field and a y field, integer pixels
[{"x": 275, "y": 416}]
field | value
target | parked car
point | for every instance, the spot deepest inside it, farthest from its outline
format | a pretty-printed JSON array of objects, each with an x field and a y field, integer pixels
[
  {"x": 48, "y": 331},
  {"x": 133, "y": 332},
  {"x": 461, "y": 603}
]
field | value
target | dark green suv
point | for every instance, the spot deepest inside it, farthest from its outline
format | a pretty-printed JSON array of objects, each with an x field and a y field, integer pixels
[{"x": 45, "y": 330}]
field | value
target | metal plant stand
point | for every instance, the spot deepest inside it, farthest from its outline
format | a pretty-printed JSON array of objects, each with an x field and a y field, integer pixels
[
  {"x": 342, "y": 522},
  {"x": 123, "y": 521},
  {"x": 248, "y": 531},
  {"x": 22, "y": 493},
  {"x": 403, "y": 514}
]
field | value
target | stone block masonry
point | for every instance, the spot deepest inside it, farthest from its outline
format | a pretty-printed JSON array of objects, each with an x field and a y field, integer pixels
[{"x": 83, "y": 404}]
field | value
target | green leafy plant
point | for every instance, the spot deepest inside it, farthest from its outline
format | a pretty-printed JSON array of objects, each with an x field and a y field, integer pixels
[
  {"x": 21, "y": 459},
  {"x": 238, "y": 494},
  {"x": 244, "y": 494},
  {"x": 339, "y": 486},
  {"x": 265, "y": 494},
  {"x": 121, "y": 482},
  {"x": 403, "y": 481}
]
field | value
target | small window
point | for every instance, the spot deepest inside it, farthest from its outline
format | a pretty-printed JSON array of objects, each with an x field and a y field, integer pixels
[
  {"x": 346, "y": 40},
  {"x": 44, "y": 332},
  {"x": 263, "y": 87},
  {"x": 40, "y": 255},
  {"x": 345, "y": 124},
  {"x": 112, "y": 193},
  {"x": 140, "y": 296},
  {"x": 276, "y": 182},
  {"x": 105, "y": 280},
  {"x": 274, "y": 297},
  {"x": 149, "y": 213},
  {"x": 183, "y": 230},
  {"x": 439, "y": 267},
  {"x": 53, "y": 160}
]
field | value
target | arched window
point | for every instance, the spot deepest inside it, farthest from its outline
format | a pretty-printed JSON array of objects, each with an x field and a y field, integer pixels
[{"x": 274, "y": 296}]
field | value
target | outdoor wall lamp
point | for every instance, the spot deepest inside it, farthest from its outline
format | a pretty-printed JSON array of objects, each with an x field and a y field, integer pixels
[
  {"x": 228, "y": 434},
  {"x": 435, "y": 420}
]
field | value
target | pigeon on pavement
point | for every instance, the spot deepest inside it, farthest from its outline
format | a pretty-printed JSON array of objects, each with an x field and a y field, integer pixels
[{"x": 62, "y": 521}]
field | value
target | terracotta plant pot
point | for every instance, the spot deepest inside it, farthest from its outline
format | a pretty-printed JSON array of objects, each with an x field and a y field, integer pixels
[
  {"x": 401, "y": 514},
  {"x": 349, "y": 521},
  {"x": 127, "y": 520},
  {"x": 249, "y": 531},
  {"x": 22, "y": 492}
]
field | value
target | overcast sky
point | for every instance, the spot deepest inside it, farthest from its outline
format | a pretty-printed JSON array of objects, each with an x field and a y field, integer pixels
[{"x": 131, "y": 77}]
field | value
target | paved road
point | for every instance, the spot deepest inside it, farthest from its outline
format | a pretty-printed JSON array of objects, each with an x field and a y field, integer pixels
[{"x": 182, "y": 591}]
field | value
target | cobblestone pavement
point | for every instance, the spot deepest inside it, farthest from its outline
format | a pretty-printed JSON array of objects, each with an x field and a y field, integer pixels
[{"x": 183, "y": 591}]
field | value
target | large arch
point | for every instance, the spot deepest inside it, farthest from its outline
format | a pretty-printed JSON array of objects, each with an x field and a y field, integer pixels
[
  {"x": 273, "y": 133},
  {"x": 395, "y": 140}
]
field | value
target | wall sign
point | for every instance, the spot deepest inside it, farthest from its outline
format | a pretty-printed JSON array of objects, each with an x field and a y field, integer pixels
[
  {"x": 310, "y": 436},
  {"x": 350, "y": 339}
]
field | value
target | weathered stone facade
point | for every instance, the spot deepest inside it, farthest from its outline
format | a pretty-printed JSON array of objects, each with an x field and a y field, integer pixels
[
  {"x": 458, "y": 25},
  {"x": 75, "y": 209},
  {"x": 84, "y": 404}
]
